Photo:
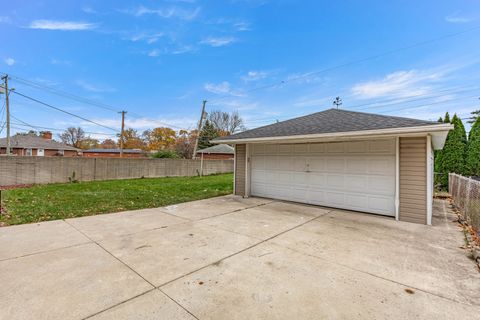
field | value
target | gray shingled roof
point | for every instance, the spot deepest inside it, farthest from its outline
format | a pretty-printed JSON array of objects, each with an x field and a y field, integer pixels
[
  {"x": 114, "y": 151},
  {"x": 219, "y": 148},
  {"x": 329, "y": 121},
  {"x": 35, "y": 142}
]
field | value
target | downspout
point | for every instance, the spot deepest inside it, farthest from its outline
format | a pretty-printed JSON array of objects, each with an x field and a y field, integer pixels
[
  {"x": 397, "y": 178},
  {"x": 429, "y": 180}
]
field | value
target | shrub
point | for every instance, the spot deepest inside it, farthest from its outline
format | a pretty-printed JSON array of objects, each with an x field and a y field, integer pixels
[{"x": 166, "y": 154}]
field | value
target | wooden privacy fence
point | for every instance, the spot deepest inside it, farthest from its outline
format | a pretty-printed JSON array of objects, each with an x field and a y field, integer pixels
[
  {"x": 41, "y": 170},
  {"x": 466, "y": 196}
]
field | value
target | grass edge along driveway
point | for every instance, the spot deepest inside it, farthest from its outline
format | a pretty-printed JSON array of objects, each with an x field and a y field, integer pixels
[{"x": 63, "y": 201}]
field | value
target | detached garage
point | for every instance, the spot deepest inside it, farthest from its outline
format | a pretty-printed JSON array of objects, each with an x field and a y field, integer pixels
[{"x": 342, "y": 159}]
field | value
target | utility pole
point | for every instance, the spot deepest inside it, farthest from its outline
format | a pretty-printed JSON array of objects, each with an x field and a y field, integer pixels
[
  {"x": 7, "y": 113},
  {"x": 337, "y": 102},
  {"x": 199, "y": 128},
  {"x": 122, "y": 132}
]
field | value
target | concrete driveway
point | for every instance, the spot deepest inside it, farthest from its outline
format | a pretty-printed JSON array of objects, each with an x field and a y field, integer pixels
[{"x": 234, "y": 258}]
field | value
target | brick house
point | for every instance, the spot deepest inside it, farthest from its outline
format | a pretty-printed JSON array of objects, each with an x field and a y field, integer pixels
[
  {"x": 217, "y": 152},
  {"x": 41, "y": 145},
  {"x": 114, "y": 153}
]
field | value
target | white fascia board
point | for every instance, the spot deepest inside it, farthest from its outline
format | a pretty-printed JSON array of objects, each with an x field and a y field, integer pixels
[{"x": 344, "y": 135}]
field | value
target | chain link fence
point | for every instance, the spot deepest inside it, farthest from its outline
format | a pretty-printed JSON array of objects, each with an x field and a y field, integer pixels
[{"x": 466, "y": 196}]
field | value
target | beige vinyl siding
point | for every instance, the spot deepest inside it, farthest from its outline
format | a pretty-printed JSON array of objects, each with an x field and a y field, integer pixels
[
  {"x": 240, "y": 164},
  {"x": 413, "y": 180}
]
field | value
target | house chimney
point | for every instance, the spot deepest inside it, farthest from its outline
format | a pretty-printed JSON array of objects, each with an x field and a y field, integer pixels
[{"x": 46, "y": 135}]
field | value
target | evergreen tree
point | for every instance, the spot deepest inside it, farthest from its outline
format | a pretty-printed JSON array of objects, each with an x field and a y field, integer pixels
[
  {"x": 440, "y": 120},
  {"x": 473, "y": 150},
  {"x": 209, "y": 132},
  {"x": 474, "y": 116},
  {"x": 452, "y": 158},
  {"x": 446, "y": 119}
]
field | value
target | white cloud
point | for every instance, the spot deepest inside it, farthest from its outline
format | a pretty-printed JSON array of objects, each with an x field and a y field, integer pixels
[
  {"x": 306, "y": 77},
  {"x": 242, "y": 26},
  {"x": 221, "y": 88},
  {"x": 171, "y": 12},
  {"x": 88, "y": 86},
  {"x": 254, "y": 76},
  {"x": 5, "y": 19},
  {"x": 60, "y": 62},
  {"x": 239, "y": 105},
  {"x": 218, "y": 41},
  {"x": 182, "y": 50},
  {"x": 147, "y": 37},
  {"x": 89, "y": 10},
  {"x": 457, "y": 17},
  {"x": 398, "y": 84},
  {"x": 61, "y": 25},
  {"x": 154, "y": 53},
  {"x": 10, "y": 61}
]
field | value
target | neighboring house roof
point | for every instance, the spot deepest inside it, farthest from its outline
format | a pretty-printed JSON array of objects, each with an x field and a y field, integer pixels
[
  {"x": 31, "y": 141},
  {"x": 114, "y": 151},
  {"x": 220, "y": 148}
]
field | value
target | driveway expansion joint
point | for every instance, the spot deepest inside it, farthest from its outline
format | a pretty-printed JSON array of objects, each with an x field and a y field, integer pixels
[
  {"x": 47, "y": 251},
  {"x": 243, "y": 250},
  {"x": 115, "y": 257}
]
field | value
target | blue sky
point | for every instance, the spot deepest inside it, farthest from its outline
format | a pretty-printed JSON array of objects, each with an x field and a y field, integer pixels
[{"x": 159, "y": 59}]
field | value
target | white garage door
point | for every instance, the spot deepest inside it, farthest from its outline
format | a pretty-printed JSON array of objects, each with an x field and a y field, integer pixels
[{"x": 357, "y": 175}]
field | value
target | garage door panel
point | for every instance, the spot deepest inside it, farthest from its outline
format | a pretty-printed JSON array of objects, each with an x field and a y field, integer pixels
[
  {"x": 316, "y": 164},
  {"x": 358, "y": 201},
  {"x": 316, "y": 179},
  {"x": 258, "y": 162},
  {"x": 300, "y": 179},
  {"x": 381, "y": 165},
  {"x": 357, "y": 165},
  {"x": 335, "y": 164},
  {"x": 357, "y": 175},
  {"x": 258, "y": 149},
  {"x": 335, "y": 198},
  {"x": 300, "y": 164},
  {"x": 317, "y": 148},
  {"x": 381, "y": 185},
  {"x": 284, "y": 178},
  {"x": 300, "y": 148},
  {"x": 335, "y": 147},
  {"x": 316, "y": 197},
  {"x": 356, "y": 147},
  {"x": 382, "y": 146},
  {"x": 356, "y": 183},
  {"x": 284, "y": 163},
  {"x": 335, "y": 181},
  {"x": 381, "y": 204},
  {"x": 270, "y": 149},
  {"x": 285, "y": 148}
]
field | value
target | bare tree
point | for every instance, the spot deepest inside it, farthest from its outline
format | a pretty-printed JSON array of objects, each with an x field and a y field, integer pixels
[
  {"x": 226, "y": 123},
  {"x": 73, "y": 137}
]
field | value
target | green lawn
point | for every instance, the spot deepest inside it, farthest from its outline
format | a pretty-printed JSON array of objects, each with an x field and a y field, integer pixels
[{"x": 61, "y": 201}]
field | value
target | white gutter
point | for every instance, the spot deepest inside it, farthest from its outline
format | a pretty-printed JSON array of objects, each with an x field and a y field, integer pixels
[{"x": 362, "y": 133}]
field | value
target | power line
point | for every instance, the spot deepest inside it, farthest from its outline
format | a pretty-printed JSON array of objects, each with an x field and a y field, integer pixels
[
  {"x": 350, "y": 63},
  {"x": 78, "y": 98},
  {"x": 26, "y": 124},
  {"x": 64, "y": 111},
  {"x": 396, "y": 101},
  {"x": 64, "y": 94}
]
